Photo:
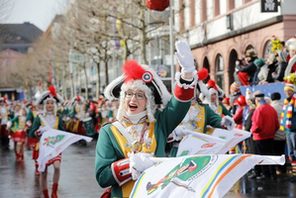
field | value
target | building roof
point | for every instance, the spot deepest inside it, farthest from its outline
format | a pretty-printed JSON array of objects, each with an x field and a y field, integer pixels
[
  {"x": 8, "y": 67},
  {"x": 18, "y": 37}
]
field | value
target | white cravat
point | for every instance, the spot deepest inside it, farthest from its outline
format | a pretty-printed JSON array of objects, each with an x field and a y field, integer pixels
[
  {"x": 50, "y": 119},
  {"x": 135, "y": 118}
]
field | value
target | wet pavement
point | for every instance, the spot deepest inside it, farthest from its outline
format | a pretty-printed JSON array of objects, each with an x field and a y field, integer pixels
[
  {"x": 77, "y": 174},
  {"x": 78, "y": 178}
]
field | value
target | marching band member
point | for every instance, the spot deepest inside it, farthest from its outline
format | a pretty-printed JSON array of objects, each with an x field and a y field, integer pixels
[
  {"x": 147, "y": 114},
  {"x": 50, "y": 119}
]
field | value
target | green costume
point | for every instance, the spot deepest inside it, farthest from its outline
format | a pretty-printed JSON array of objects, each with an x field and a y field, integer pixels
[
  {"x": 108, "y": 149},
  {"x": 17, "y": 125},
  {"x": 224, "y": 110},
  {"x": 203, "y": 116},
  {"x": 37, "y": 123}
]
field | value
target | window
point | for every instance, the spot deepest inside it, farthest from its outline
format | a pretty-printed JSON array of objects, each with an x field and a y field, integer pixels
[
  {"x": 187, "y": 14},
  {"x": 219, "y": 63},
  {"x": 210, "y": 9},
  {"x": 197, "y": 12},
  {"x": 238, "y": 3},
  {"x": 177, "y": 15},
  {"x": 267, "y": 49},
  {"x": 222, "y": 6}
]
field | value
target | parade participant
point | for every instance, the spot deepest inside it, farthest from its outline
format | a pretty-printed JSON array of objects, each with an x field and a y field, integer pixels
[
  {"x": 212, "y": 99},
  {"x": 49, "y": 119},
  {"x": 288, "y": 120},
  {"x": 200, "y": 118},
  {"x": 64, "y": 111},
  {"x": 33, "y": 141},
  {"x": 77, "y": 114},
  {"x": 4, "y": 113},
  {"x": 30, "y": 118},
  {"x": 18, "y": 126},
  {"x": 238, "y": 116},
  {"x": 90, "y": 123},
  {"x": 147, "y": 114},
  {"x": 226, "y": 103},
  {"x": 238, "y": 119}
]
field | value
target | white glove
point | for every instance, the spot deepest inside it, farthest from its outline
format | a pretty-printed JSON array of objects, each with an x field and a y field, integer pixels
[
  {"x": 8, "y": 125},
  {"x": 227, "y": 122},
  {"x": 139, "y": 162},
  {"x": 29, "y": 123},
  {"x": 44, "y": 129},
  {"x": 178, "y": 133},
  {"x": 184, "y": 56}
]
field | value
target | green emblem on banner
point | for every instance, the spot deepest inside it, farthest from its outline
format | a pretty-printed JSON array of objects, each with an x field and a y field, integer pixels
[
  {"x": 52, "y": 140},
  {"x": 182, "y": 173}
]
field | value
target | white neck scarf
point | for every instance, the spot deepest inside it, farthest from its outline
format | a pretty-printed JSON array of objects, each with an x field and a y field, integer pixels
[{"x": 135, "y": 118}]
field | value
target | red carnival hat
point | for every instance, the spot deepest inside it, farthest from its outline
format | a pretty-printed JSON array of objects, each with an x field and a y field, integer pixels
[{"x": 50, "y": 94}]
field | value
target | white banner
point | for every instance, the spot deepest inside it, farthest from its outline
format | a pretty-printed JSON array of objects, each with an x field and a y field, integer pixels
[
  {"x": 219, "y": 142},
  {"x": 200, "y": 143},
  {"x": 232, "y": 137},
  {"x": 197, "y": 176},
  {"x": 53, "y": 142}
]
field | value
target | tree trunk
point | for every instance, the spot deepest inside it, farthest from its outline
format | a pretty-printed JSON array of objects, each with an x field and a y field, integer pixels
[
  {"x": 106, "y": 59},
  {"x": 98, "y": 80},
  {"x": 143, "y": 37},
  {"x": 86, "y": 81},
  {"x": 106, "y": 71},
  {"x": 125, "y": 51}
]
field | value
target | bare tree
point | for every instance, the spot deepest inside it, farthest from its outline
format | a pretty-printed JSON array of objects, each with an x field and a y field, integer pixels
[{"x": 112, "y": 28}]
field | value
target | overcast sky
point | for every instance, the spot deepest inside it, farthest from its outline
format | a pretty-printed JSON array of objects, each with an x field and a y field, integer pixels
[{"x": 38, "y": 12}]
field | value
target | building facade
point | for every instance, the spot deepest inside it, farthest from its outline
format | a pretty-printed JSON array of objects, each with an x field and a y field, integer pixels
[
  {"x": 220, "y": 31},
  {"x": 16, "y": 40}
]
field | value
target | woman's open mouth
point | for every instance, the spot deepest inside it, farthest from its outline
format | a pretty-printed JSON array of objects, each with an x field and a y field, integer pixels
[{"x": 133, "y": 107}]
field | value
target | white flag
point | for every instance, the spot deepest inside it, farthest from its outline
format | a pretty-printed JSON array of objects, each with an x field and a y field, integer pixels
[
  {"x": 197, "y": 176},
  {"x": 219, "y": 142},
  {"x": 53, "y": 142},
  {"x": 200, "y": 143},
  {"x": 232, "y": 137}
]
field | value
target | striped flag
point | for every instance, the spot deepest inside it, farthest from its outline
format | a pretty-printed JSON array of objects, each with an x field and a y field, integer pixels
[
  {"x": 198, "y": 175},
  {"x": 53, "y": 142}
]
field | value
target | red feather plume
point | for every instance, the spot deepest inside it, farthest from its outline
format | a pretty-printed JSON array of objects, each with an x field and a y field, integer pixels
[
  {"x": 52, "y": 90},
  {"x": 78, "y": 98},
  {"x": 132, "y": 70},
  {"x": 212, "y": 84},
  {"x": 202, "y": 74}
]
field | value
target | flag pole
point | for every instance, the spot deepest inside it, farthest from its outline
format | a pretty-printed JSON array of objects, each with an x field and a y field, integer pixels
[{"x": 171, "y": 22}]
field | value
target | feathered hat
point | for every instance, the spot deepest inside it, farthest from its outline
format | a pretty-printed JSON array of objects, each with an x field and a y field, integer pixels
[
  {"x": 50, "y": 94},
  {"x": 77, "y": 99},
  {"x": 136, "y": 76},
  {"x": 226, "y": 101},
  {"x": 214, "y": 88},
  {"x": 201, "y": 76},
  {"x": 240, "y": 101}
]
